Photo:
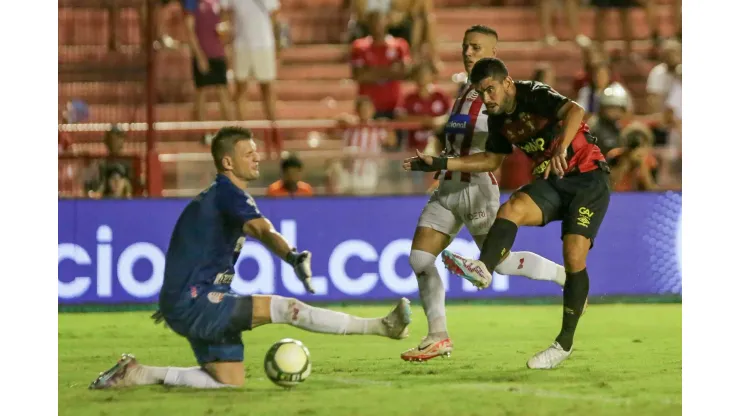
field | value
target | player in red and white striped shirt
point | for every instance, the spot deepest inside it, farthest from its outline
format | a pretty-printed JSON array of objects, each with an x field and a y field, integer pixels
[{"x": 470, "y": 199}]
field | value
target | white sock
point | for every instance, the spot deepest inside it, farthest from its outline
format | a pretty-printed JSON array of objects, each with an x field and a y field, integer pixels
[
  {"x": 176, "y": 376},
  {"x": 431, "y": 290},
  {"x": 191, "y": 377},
  {"x": 294, "y": 312},
  {"x": 533, "y": 266}
]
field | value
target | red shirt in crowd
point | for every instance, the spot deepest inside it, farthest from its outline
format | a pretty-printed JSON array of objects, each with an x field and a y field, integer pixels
[
  {"x": 385, "y": 95},
  {"x": 436, "y": 104}
]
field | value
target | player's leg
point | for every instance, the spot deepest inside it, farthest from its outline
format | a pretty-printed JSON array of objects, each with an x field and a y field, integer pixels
[
  {"x": 483, "y": 202},
  {"x": 534, "y": 205},
  {"x": 434, "y": 231},
  {"x": 585, "y": 212},
  {"x": 257, "y": 310},
  {"x": 129, "y": 372}
]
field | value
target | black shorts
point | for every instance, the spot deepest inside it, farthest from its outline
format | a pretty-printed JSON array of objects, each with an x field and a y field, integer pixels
[
  {"x": 216, "y": 73},
  {"x": 580, "y": 201},
  {"x": 615, "y": 4}
]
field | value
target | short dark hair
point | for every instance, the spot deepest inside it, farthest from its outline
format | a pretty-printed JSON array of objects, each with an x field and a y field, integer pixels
[
  {"x": 488, "y": 68},
  {"x": 291, "y": 161},
  {"x": 483, "y": 30},
  {"x": 224, "y": 141}
]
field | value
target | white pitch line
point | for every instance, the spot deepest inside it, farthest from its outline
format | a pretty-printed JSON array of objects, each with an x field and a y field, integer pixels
[{"x": 513, "y": 389}]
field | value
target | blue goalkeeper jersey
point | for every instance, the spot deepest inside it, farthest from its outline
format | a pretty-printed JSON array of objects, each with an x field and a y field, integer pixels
[{"x": 204, "y": 241}]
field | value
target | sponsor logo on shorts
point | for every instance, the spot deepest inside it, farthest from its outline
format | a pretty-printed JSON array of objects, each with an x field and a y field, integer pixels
[
  {"x": 584, "y": 217},
  {"x": 476, "y": 215},
  {"x": 215, "y": 297}
]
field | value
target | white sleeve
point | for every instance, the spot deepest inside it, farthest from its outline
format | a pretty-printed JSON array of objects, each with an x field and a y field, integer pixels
[{"x": 656, "y": 80}]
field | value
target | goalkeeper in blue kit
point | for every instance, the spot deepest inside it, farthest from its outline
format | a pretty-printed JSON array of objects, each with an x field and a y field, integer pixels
[{"x": 196, "y": 300}]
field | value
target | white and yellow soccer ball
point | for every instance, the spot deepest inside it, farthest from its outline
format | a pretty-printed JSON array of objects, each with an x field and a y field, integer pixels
[{"x": 288, "y": 363}]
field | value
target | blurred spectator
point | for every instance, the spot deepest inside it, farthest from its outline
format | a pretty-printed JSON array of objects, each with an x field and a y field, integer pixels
[
  {"x": 209, "y": 57},
  {"x": 379, "y": 63},
  {"x": 634, "y": 167},
  {"x": 256, "y": 32},
  {"x": 291, "y": 184},
  {"x": 664, "y": 95},
  {"x": 665, "y": 78},
  {"x": 428, "y": 105},
  {"x": 624, "y": 7},
  {"x": 411, "y": 20},
  {"x": 364, "y": 139},
  {"x": 606, "y": 126},
  {"x": 588, "y": 95},
  {"x": 593, "y": 58},
  {"x": 544, "y": 73},
  {"x": 573, "y": 14},
  {"x": 115, "y": 184},
  {"x": 114, "y": 140}
]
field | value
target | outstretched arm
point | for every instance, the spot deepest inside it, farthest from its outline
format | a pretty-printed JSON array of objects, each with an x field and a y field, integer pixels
[{"x": 479, "y": 162}]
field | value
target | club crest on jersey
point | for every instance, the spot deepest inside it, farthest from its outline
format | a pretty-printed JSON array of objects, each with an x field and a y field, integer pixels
[
  {"x": 215, "y": 297},
  {"x": 457, "y": 124}
]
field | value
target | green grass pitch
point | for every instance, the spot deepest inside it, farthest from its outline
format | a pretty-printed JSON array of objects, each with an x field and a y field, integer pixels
[{"x": 627, "y": 360}]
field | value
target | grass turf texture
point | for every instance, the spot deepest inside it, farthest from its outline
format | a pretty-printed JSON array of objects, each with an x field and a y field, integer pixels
[{"x": 627, "y": 360}]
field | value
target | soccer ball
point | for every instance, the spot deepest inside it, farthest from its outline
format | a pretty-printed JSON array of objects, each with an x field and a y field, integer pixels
[{"x": 288, "y": 363}]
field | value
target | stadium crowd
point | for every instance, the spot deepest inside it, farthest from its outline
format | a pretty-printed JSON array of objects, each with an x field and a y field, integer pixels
[{"x": 233, "y": 43}]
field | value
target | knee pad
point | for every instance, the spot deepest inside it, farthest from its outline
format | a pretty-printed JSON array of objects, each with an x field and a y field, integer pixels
[{"x": 421, "y": 261}]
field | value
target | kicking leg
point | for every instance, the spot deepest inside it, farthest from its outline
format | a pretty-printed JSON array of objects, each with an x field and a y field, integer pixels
[
  {"x": 519, "y": 210},
  {"x": 532, "y": 266}
]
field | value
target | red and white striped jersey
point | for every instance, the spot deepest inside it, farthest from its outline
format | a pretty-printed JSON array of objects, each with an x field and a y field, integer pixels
[
  {"x": 366, "y": 139},
  {"x": 465, "y": 133},
  {"x": 362, "y": 141}
]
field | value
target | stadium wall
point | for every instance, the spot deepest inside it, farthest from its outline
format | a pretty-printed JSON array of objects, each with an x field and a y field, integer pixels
[{"x": 111, "y": 252}]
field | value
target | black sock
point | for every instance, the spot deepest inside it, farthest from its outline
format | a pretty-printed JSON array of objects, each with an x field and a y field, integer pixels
[
  {"x": 575, "y": 294},
  {"x": 498, "y": 242}
]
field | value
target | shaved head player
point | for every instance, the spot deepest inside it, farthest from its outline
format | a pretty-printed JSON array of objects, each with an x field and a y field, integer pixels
[
  {"x": 462, "y": 199},
  {"x": 196, "y": 300}
]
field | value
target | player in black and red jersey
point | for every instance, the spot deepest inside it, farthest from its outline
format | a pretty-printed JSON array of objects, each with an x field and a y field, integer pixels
[{"x": 571, "y": 185}]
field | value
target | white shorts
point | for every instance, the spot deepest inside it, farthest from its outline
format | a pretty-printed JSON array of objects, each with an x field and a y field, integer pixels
[
  {"x": 455, "y": 204},
  {"x": 258, "y": 64}
]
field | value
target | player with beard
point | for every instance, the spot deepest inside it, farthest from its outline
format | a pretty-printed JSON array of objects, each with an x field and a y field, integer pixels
[
  {"x": 470, "y": 199},
  {"x": 572, "y": 185}
]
